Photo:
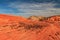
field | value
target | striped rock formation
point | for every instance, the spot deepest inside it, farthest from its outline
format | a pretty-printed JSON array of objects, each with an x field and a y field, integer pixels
[{"x": 20, "y": 28}]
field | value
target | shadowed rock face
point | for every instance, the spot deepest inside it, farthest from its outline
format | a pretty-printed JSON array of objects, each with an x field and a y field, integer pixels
[{"x": 20, "y": 28}]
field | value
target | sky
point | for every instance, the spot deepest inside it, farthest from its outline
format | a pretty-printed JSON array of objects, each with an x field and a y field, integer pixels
[{"x": 28, "y": 8}]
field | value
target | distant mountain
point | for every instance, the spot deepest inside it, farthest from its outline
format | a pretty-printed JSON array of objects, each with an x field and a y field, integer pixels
[
  {"x": 32, "y": 28},
  {"x": 38, "y": 18}
]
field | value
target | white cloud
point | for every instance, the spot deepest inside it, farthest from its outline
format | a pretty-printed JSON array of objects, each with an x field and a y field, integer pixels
[{"x": 44, "y": 9}]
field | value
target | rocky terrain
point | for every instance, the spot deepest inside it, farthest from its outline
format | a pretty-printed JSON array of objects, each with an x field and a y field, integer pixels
[
  {"x": 32, "y": 28},
  {"x": 37, "y": 18}
]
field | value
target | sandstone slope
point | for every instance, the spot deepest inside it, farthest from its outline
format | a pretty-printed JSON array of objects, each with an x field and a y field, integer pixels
[{"x": 20, "y": 28}]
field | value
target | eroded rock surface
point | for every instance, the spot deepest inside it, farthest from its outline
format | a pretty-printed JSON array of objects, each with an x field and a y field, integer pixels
[{"x": 20, "y": 28}]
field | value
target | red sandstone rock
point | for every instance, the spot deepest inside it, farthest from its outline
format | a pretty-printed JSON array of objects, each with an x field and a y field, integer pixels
[{"x": 19, "y": 28}]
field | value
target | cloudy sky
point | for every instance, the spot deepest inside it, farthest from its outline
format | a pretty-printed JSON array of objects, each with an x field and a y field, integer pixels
[{"x": 30, "y": 7}]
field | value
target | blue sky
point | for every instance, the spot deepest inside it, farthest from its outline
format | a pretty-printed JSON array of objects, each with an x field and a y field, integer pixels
[{"x": 30, "y": 7}]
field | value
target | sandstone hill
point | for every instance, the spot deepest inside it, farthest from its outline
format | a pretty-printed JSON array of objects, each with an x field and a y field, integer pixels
[
  {"x": 20, "y": 28},
  {"x": 38, "y": 18}
]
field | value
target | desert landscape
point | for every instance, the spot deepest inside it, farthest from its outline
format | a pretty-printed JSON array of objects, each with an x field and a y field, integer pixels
[
  {"x": 31, "y": 28},
  {"x": 29, "y": 19}
]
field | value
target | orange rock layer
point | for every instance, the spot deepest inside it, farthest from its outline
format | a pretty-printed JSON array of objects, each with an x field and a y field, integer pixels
[{"x": 20, "y": 28}]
